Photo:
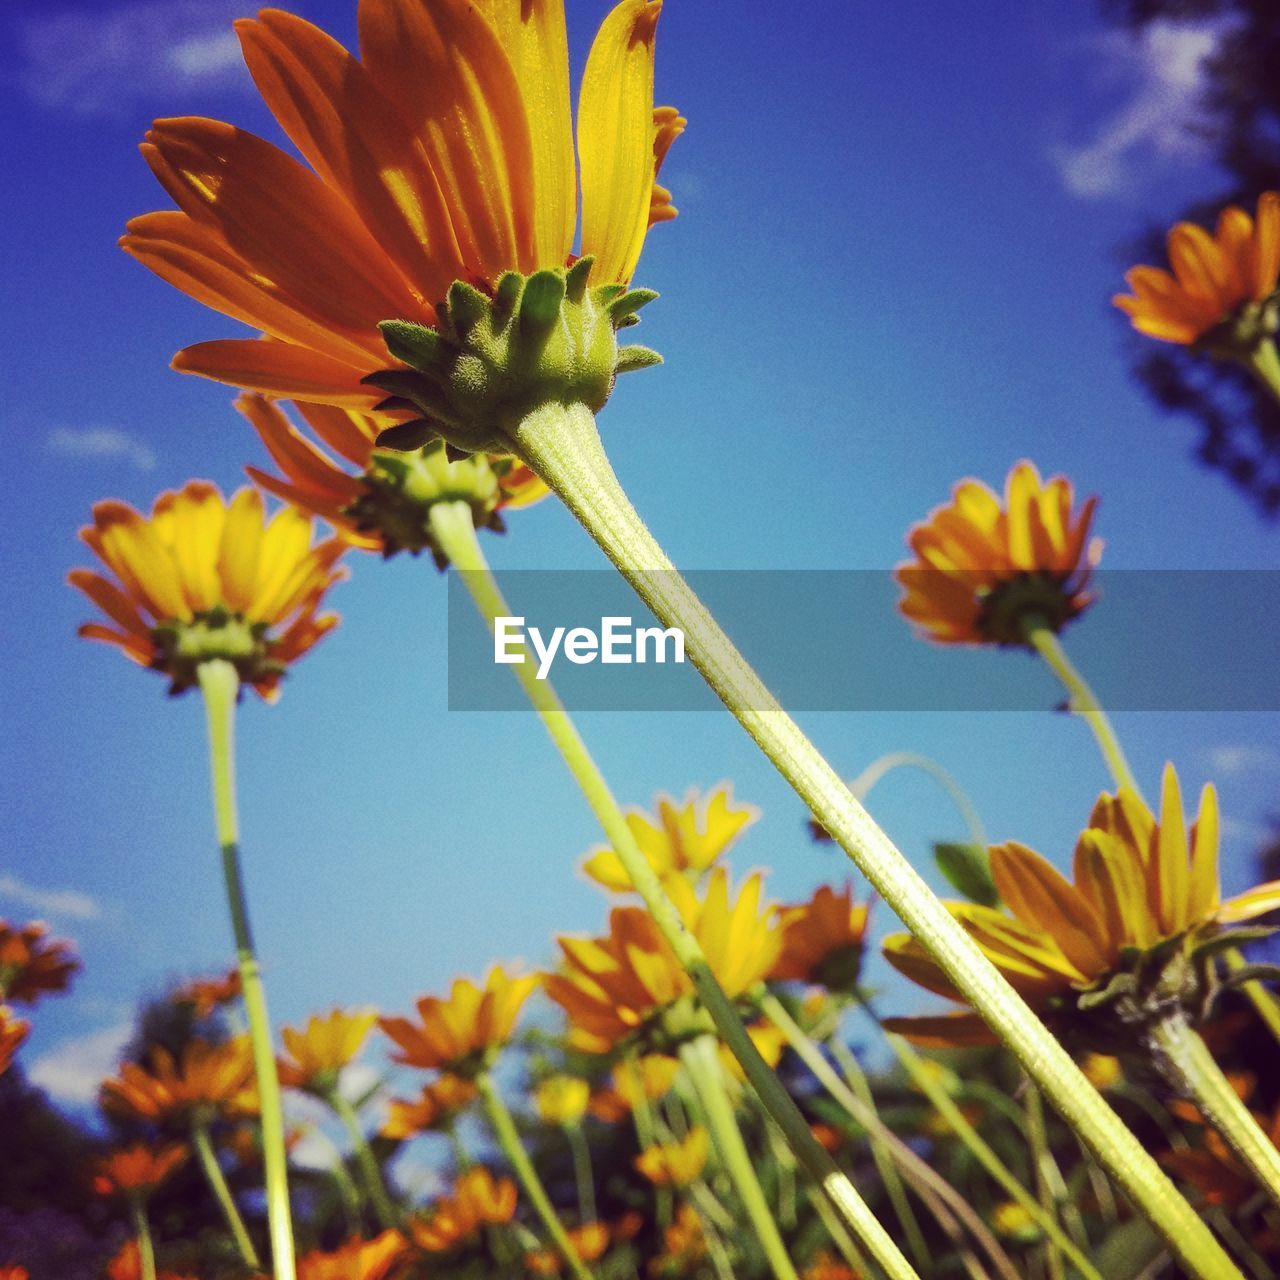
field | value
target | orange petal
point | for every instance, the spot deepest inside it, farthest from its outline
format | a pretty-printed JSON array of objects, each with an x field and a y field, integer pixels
[{"x": 277, "y": 368}]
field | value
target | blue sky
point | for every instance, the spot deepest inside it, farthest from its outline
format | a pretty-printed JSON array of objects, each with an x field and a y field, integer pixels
[{"x": 898, "y": 238}]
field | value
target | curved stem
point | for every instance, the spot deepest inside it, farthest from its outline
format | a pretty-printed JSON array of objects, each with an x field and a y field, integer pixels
[
  {"x": 504, "y": 1129},
  {"x": 702, "y": 1061},
  {"x": 142, "y": 1229},
  {"x": 454, "y": 529},
  {"x": 1188, "y": 1066},
  {"x": 221, "y": 685},
  {"x": 217, "y": 1181},
  {"x": 582, "y": 1172},
  {"x": 370, "y": 1173},
  {"x": 861, "y": 786},
  {"x": 562, "y": 446}
]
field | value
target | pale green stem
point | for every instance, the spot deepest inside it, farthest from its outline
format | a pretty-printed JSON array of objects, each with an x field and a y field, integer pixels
[
  {"x": 945, "y": 1106},
  {"x": 702, "y": 1061},
  {"x": 1038, "y": 1141},
  {"x": 715, "y": 1245},
  {"x": 504, "y": 1129},
  {"x": 861, "y": 786},
  {"x": 843, "y": 1241},
  {"x": 348, "y": 1192},
  {"x": 582, "y": 1171},
  {"x": 217, "y": 1181},
  {"x": 460, "y": 1155},
  {"x": 1264, "y": 364},
  {"x": 562, "y": 446},
  {"x": 375, "y": 1188},
  {"x": 142, "y": 1229},
  {"x": 220, "y": 685},
  {"x": 1188, "y": 1066},
  {"x": 454, "y": 529},
  {"x": 942, "y": 1198},
  {"x": 642, "y": 1118}
]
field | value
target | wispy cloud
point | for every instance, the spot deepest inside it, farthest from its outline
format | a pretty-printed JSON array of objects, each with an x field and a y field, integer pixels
[
  {"x": 1230, "y": 760},
  {"x": 68, "y": 903},
  {"x": 73, "y": 1071},
  {"x": 1164, "y": 66},
  {"x": 100, "y": 443},
  {"x": 89, "y": 62}
]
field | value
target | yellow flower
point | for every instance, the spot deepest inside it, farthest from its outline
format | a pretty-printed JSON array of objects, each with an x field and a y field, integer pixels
[
  {"x": 477, "y": 1198},
  {"x": 1102, "y": 1070},
  {"x": 561, "y": 1100},
  {"x": 434, "y": 1108},
  {"x": 982, "y": 567},
  {"x": 651, "y": 1076},
  {"x": 323, "y": 1047},
  {"x": 457, "y": 1033},
  {"x": 1215, "y": 277},
  {"x": 822, "y": 939},
  {"x": 13, "y": 1031},
  {"x": 213, "y": 1077},
  {"x": 444, "y": 152},
  {"x": 769, "y": 1043},
  {"x": 137, "y": 1170},
  {"x": 355, "y": 1260},
  {"x": 202, "y": 579},
  {"x": 1145, "y": 893},
  {"x": 679, "y": 839},
  {"x": 1014, "y": 1221},
  {"x": 676, "y": 1163},
  {"x": 33, "y": 964}
]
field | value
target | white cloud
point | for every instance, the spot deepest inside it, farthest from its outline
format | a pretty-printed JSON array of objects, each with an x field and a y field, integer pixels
[
  {"x": 1231, "y": 760},
  {"x": 1164, "y": 63},
  {"x": 69, "y": 903},
  {"x": 90, "y": 63},
  {"x": 73, "y": 1071},
  {"x": 89, "y": 443}
]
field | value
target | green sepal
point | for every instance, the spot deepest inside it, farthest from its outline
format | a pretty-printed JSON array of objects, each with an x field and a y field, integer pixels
[
  {"x": 1121, "y": 985},
  {"x": 544, "y": 291},
  {"x": 633, "y": 358},
  {"x": 1238, "y": 937},
  {"x": 467, "y": 307},
  {"x": 629, "y": 303},
  {"x": 395, "y": 404},
  {"x": 1250, "y": 973},
  {"x": 404, "y": 437},
  {"x": 575, "y": 279},
  {"x": 967, "y": 868},
  {"x": 415, "y": 344},
  {"x": 506, "y": 297}
]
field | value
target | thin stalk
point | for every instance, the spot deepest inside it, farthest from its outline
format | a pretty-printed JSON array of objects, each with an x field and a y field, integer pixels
[
  {"x": 582, "y": 1171},
  {"x": 861, "y": 786},
  {"x": 374, "y": 1185},
  {"x": 1038, "y": 1141},
  {"x": 843, "y": 1241},
  {"x": 1188, "y": 1066},
  {"x": 642, "y": 1118},
  {"x": 1264, "y": 363},
  {"x": 715, "y": 1245},
  {"x": 504, "y": 1129},
  {"x": 454, "y": 529},
  {"x": 1257, "y": 993},
  {"x": 348, "y": 1192},
  {"x": 217, "y": 1181},
  {"x": 220, "y": 685},
  {"x": 562, "y": 446},
  {"x": 702, "y": 1061},
  {"x": 142, "y": 1229},
  {"x": 945, "y": 1106}
]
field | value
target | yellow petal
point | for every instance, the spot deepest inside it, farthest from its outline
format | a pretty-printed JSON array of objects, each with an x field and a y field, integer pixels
[
  {"x": 1169, "y": 876},
  {"x": 1203, "y": 890},
  {"x": 240, "y": 550}
]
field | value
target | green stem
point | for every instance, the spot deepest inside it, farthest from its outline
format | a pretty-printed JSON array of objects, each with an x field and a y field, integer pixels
[
  {"x": 370, "y": 1173},
  {"x": 1264, "y": 363},
  {"x": 220, "y": 685},
  {"x": 642, "y": 1118},
  {"x": 1082, "y": 701},
  {"x": 562, "y": 446},
  {"x": 582, "y": 1172},
  {"x": 504, "y": 1129},
  {"x": 142, "y": 1229},
  {"x": 454, "y": 529},
  {"x": 861, "y": 786},
  {"x": 844, "y": 1242},
  {"x": 222, "y": 1194},
  {"x": 348, "y": 1193},
  {"x": 1257, "y": 993},
  {"x": 1038, "y": 1141},
  {"x": 1188, "y": 1066},
  {"x": 701, "y": 1059}
]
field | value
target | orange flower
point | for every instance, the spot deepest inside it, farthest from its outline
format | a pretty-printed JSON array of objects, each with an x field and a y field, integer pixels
[
  {"x": 203, "y": 1076},
  {"x": 1215, "y": 277},
  {"x": 438, "y": 1103},
  {"x": 826, "y": 1266},
  {"x": 32, "y": 963},
  {"x": 354, "y": 1260},
  {"x": 322, "y": 1048},
  {"x": 610, "y": 987},
  {"x": 983, "y": 568},
  {"x": 477, "y": 1198},
  {"x": 13, "y": 1031},
  {"x": 457, "y": 1033},
  {"x": 589, "y": 1242},
  {"x": 443, "y": 153},
  {"x": 676, "y": 1163},
  {"x": 1140, "y": 884},
  {"x": 205, "y": 995},
  {"x": 822, "y": 939},
  {"x": 137, "y": 1170},
  {"x": 14, "y": 1273},
  {"x": 203, "y": 579},
  {"x": 684, "y": 839},
  {"x": 126, "y": 1264}
]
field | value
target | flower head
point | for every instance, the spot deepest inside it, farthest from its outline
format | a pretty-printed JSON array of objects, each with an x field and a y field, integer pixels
[
  {"x": 477, "y": 1198},
  {"x": 443, "y": 153},
  {"x": 137, "y": 1170},
  {"x": 589, "y": 1241},
  {"x": 458, "y": 1033},
  {"x": 434, "y": 1108},
  {"x": 13, "y": 1031},
  {"x": 561, "y": 1100},
  {"x": 676, "y": 1163},
  {"x": 31, "y": 963},
  {"x": 1123, "y": 939},
  {"x": 683, "y": 838},
  {"x": 323, "y": 1047},
  {"x": 203, "y": 1077},
  {"x": 1225, "y": 279},
  {"x": 822, "y": 939},
  {"x": 202, "y": 578},
  {"x": 207, "y": 995},
  {"x": 983, "y": 567},
  {"x": 355, "y": 1260},
  {"x": 126, "y": 1264}
]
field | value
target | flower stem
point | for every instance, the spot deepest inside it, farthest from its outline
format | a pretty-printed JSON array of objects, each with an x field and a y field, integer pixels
[
  {"x": 220, "y": 685},
  {"x": 1082, "y": 701},
  {"x": 562, "y": 446},
  {"x": 642, "y": 1118},
  {"x": 142, "y": 1229},
  {"x": 1041, "y": 1157},
  {"x": 222, "y": 1194},
  {"x": 582, "y": 1172},
  {"x": 702, "y": 1061},
  {"x": 370, "y": 1173},
  {"x": 1264, "y": 363},
  {"x": 886, "y": 764},
  {"x": 504, "y": 1129},
  {"x": 1188, "y": 1066},
  {"x": 454, "y": 529}
]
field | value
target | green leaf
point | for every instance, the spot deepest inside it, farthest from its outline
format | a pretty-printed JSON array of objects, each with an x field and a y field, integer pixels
[
  {"x": 967, "y": 868},
  {"x": 631, "y": 358}
]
